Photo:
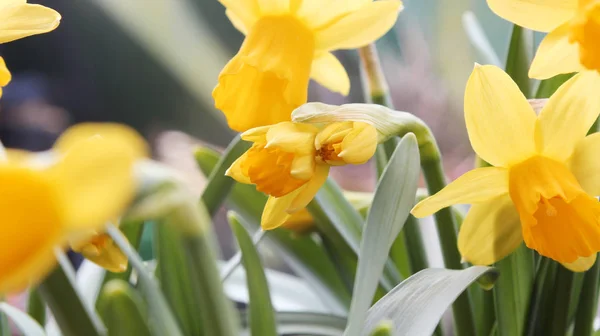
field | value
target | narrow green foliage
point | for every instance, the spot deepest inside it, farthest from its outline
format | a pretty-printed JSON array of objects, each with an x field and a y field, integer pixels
[
  {"x": 25, "y": 323},
  {"x": 560, "y": 302},
  {"x": 36, "y": 308},
  {"x": 122, "y": 310},
  {"x": 414, "y": 245},
  {"x": 519, "y": 57},
  {"x": 549, "y": 86},
  {"x": 132, "y": 230},
  {"x": 261, "y": 313},
  {"x": 588, "y": 302}
]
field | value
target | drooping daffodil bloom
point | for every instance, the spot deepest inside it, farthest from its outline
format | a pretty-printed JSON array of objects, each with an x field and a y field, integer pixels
[
  {"x": 573, "y": 28},
  {"x": 46, "y": 198},
  {"x": 19, "y": 19},
  {"x": 544, "y": 177},
  {"x": 290, "y": 162},
  {"x": 287, "y": 43}
]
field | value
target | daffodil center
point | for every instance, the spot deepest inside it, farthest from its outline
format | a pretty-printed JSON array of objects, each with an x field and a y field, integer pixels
[
  {"x": 31, "y": 219},
  {"x": 558, "y": 218},
  {"x": 269, "y": 76},
  {"x": 328, "y": 153},
  {"x": 585, "y": 30},
  {"x": 270, "y": 170}
]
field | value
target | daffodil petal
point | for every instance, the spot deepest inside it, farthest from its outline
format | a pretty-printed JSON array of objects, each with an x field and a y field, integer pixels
[
  {"x": 237, "y": 22},
  {"x": 476, "y": 186},
  {"x": 303, "y": 167},
  {"x": 500, "y": 121},
  {"x": 310, "y": 189},
  {"x": 490, "y": 231},
  {"x": 360, "y": 144},
  {"x": 568, "y": 115},
  {"x": 292, "y": 137},
  {"x": 102, "y": 250},
  {"x": 274, "y": 7},
  {"x": 556, "y": 55},
  {"x": 360, "y": 27},
  {"x": 329, "y": 72},
  {"x": 19, "y": 19},
  {"x": 95, "y": 174},
  {"x": 112, "y": 132},
  {"x": 582, "y": 264},
  {"x": 585, "y": 164},
  {"x": 235, "y": 171},
  {"x": 256, "y": 134},
  {"x": 275, "y": 211},
  {"x": 5, "y": 76},
  {"x": 540, "y": 15},
  {"x": 244, "y": 12}
]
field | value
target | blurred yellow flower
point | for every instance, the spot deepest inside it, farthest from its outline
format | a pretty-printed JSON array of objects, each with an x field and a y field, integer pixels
[
  {"x": 19, "y": 19},
  {"x": 287, "y": 43},
  {"x": 541, "y": 187},
  {"x": 102, "y": 250},
  {"x": 290, "y": 161},
  {"x": 573, "y": 27},
  {"x": 47, "y": 198},
  {"x": 5, "y": 76}
]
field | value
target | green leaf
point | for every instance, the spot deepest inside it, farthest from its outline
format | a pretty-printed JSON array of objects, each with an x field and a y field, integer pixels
[
  {"x": 161, "y": 318},
  {"x": 303, "y": 323},
  {"x": 122, "y": 310},
  {"x": 417, "y": 304},
  {"x": 394, "y": 197},
  {"x": 4, "y": 325},
  {"x": 36, "y": 308},
  {"x": 484, "y": 51},
  {"x": 261, "y": 314},
  {"x": 512, "y": 292},
  {"x": 588, "y": 302},
  {"x": 520, "y": 53},
  {"x": 385, "y": 328},
  {"x": 549, "y": 86},
  {"x": 25, "y": 323},
  {"x": 174, "y": 277},
  {"x": 72, "y": 315},
  {"x": 132, "y": 230},
  {"x": 219, "y": 185}
]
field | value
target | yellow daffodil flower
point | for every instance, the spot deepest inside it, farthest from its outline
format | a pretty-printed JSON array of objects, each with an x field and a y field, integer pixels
[
  {"x": 47, "y": 198},
  {"x": 5, "y": 76},
  {"x": 544, "y": 176},
  {"x": 19, "y": 19},
  {"x": 573, "y": 27},
  {"x": 101, "y": 250},
  {"x": 290, "y": 161},
  {"x": 288, "y": 42}
]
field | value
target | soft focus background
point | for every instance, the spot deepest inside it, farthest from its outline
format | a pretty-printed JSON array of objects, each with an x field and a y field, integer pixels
[{"x": 153, "y": 64}]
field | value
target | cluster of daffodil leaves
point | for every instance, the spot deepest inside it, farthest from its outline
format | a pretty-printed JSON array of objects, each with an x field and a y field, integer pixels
[{"x": 534, "y": 214}]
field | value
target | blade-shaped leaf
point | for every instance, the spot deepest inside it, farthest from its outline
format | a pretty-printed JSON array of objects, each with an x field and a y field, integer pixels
[
  {"x": 418, "y": 303},
  {"x": 394, "y": 197},
  {"x": 480, "y": 42},
  {"x": 520, "y": 53},
  {"x": 261, "y": 314},
  {"x": 302, "y": 323},
  {"x": 25, "y": 323},
  {"x": 122, "y": 310}
]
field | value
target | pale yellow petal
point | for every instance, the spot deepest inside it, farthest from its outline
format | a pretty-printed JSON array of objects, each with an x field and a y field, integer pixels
[
  {"x": 360, "y": 144},
  {"x": 568, "y": 115},
  {"x": 256, "y": 134},
  {"x": 585, "y": 164},
  {"x": 242, "y": 12},
  {"x": 500, "y": 121},
  {"x": 556, "y": 55},
  {"x": 274, "y": 7},
  {"x": 333, "y": 133},
  {"x": 360, "y": 27},
  {"x": 292, "y": 137},
  {"x": 19, "y": 19},
  {"x": 310, "y": 189},
  {"x": 540, "y": 15},
  {"x": 329, "y": 72},
  {"x": 476, "y": 186},
  {"x": 237, "y": 22},
  {"x": 275, "y": 211},
  {"x": 303, "y": 167},
  {"x": 490, "y": 231},
  {"x": 582, "y": 264},
  {"x": 235, "y": 171},
  {"x": 5, "y": 76},
  {"x": 95, "y": 175}
]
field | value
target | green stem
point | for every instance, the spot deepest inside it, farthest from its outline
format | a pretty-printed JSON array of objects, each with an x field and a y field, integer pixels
[
  {"x": 562, "y": 297},
  {"x": 588, "y": 300},
  {"x": 414, "y": 245},
  {"x": 36, "y": 307}
]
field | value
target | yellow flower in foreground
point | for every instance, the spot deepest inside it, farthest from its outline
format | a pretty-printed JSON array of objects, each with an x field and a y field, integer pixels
[
  {"x": 290, "y": 161},
  {"x": 5, "y": 76},
  {"x": 287, "y": 43},
  {"x": 573, "y": 27},
  {"x": 19, "y": 19},
  {"x": 47, "y": 198},
  {"x": 545, "y": 172}
]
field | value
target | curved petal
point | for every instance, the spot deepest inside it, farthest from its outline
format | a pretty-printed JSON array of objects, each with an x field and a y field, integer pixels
[
  {"x": 582, "y": 264},
  {"x": 95, "y": 176},
  {"x": 20, "y": 19},
  {"x": 360, "y": 144},
  {"x": 500, "y": 121},
  {"x": 242, "y": 11},
  {"x": 316, "y": 14},
  {"x": 303, "y": 167},
  {"x": 101, "y": 250},
  {"x": 585, "y": 164},
  {"x": 540, "y": 15},
  {"x": 328, "y": 71},
  {"x": 360, "y": 27},
  {"x": 273, "y": 7},
  {"x": 236, "y": 172},
  {"x": 5, "y": 76},
  {"x": 476, "y": 186},
  {"x": 490, "y": 231},
  {"x": 310, "y": 189},
  {"x": 292, "y": 137},
  {"x": 237, "y": 22},
  {"x": 275, "y": 211},
  {"x": 568, "y": 115},
  {"x": 556, "y": 55}
]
